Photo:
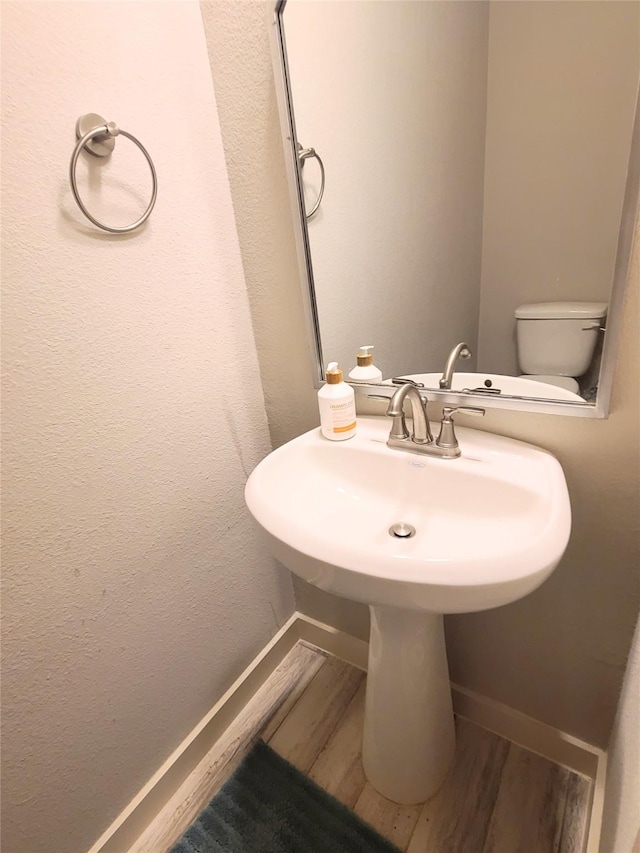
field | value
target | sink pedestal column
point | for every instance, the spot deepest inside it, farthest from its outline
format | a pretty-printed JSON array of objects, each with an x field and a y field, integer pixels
[{"x": 409, "y": 735}]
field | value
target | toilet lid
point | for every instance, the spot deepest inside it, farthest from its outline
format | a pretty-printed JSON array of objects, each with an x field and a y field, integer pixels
[{"x": 562, "y": 311}]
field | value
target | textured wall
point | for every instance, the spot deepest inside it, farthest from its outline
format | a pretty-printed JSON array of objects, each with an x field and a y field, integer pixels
[
  {"x": 399, "y": 229},
  {"x": 621, "y": 818},
  {"x": 134, "y": 586},
  {"x": 238, "y": 40},
  {"x": 559, "y": 120},
  {"x": 559, "y": 654}
]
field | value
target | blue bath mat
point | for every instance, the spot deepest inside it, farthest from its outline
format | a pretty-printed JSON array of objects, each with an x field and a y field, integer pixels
[{"x": 267, "y": 806}]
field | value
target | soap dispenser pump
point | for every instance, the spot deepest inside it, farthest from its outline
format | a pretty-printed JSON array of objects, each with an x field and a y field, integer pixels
[
  {"x": 337, "y": 404},
  {"x": 365, "y": 370}
]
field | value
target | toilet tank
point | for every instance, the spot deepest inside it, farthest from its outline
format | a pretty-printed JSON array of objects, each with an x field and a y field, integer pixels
[{"x": 558, "y": 338}]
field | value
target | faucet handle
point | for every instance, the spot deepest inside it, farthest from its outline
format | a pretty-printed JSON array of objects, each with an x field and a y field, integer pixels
[
  {"x": 400, "y": 380},
  {"x": 447, "y": 411},
  {"x": 447, "y": 439}
]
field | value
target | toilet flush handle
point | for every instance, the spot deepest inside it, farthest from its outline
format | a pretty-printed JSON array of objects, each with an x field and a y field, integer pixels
[{"x": 594, "y": 326}]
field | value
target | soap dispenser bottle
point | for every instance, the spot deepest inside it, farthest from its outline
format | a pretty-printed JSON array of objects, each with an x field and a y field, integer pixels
[
  {"x": 365, "y": 371},
  {"x": 337, "y": 404}
]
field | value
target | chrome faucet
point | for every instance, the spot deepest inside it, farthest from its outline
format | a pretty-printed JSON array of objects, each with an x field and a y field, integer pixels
[
  {"x": 421, "y": 434},
  {"x": 460, "y": 350},
  {"x": 421, "y": 438}
]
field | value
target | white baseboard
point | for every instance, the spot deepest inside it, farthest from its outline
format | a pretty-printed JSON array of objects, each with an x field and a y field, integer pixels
[
  {"x": 545, "y": 740},
  {"x": 504, "y": 721},
  {"x": 329, "y": 639},
  {"x": 535, "y": 736},
  {"x": 137, "y": 815}
]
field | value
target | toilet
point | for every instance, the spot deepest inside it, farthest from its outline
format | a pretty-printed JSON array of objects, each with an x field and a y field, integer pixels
[{"x": 556, "y": 340}]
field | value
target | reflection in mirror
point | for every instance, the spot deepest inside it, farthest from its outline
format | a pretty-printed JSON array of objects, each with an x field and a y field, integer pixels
[{"x": 476, "y": 158}]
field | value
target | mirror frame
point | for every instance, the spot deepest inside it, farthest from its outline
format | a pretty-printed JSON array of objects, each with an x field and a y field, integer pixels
[{"x": 630, "y": 212}]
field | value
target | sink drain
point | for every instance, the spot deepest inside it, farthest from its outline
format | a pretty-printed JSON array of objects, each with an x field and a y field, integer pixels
[{"x": 402, "y": 530}]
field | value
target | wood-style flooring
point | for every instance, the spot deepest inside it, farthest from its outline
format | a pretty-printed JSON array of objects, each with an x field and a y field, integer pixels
[{"x": 497, "y": 797}]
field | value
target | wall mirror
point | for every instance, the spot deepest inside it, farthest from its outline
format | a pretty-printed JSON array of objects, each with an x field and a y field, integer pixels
[{"x": 476, "y": 156}]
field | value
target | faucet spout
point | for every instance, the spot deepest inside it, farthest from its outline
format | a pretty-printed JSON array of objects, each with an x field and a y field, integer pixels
[
  {"x": 421, "y": 427},
  {"x": 460, "y": 350}
]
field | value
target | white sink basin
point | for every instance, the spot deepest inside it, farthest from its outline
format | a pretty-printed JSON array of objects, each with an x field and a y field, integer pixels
[
  {"x": 490, "y": 526},
  {"x": 514, "y": 386}
]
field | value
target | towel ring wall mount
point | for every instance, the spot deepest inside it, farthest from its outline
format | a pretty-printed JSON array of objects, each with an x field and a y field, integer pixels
[
  {"x": 96, "y": 136},
  {"x": 305, "y": 154}
]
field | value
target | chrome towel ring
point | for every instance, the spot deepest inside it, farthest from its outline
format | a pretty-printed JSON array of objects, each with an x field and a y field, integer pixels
[
  {"x": 97, "y": 136},
  {"x": 304, "y": 154}
]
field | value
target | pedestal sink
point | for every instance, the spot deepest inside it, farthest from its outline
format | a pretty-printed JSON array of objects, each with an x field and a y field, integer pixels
[{"x": 413, "y": 537}]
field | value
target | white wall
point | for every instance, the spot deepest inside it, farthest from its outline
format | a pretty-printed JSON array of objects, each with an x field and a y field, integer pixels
[
  {"x": 135, "y": 589},
  {"x": 558, "y": 655},
  {"x": 559, "y": 119},
  {"x": 621, "y": 817},
  {"x": 399, "y": 229}
]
